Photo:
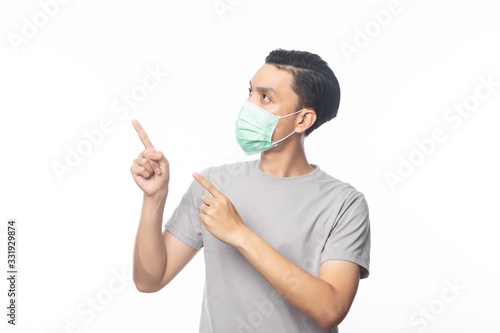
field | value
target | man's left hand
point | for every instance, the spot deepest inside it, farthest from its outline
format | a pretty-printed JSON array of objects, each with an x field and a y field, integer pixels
[{"x": 219, "y": 215}]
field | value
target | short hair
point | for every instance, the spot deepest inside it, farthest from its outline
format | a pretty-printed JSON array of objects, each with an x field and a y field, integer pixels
[{"x": 314, "y": 83}]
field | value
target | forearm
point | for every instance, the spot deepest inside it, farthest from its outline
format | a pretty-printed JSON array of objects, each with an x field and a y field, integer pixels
[
  {"x": 150, "y": 255},
  {"x": 308, "y": 294}
]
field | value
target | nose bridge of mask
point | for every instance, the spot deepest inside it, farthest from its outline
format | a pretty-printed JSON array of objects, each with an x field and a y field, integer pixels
[{"x": 259, "y": 119}]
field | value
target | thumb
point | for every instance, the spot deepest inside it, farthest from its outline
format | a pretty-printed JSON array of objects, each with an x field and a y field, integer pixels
[
  {"x": 151, "y": 156},
  {"x": 158, "y": 161}
]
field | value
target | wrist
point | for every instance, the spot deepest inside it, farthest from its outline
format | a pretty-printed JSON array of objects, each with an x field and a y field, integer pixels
[
  {"x": 243, "y": 238},
  {"x": 158, "y": 198}
]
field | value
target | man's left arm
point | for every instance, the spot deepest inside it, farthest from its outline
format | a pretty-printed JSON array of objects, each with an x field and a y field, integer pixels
[{"x": 326, "y": 298}]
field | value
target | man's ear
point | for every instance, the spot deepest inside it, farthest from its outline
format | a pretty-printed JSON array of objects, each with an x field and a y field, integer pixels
[{"x": 308, "y": 118}]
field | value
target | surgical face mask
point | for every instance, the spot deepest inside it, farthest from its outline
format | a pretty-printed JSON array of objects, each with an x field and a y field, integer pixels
[{"x": 255, "y": 128}]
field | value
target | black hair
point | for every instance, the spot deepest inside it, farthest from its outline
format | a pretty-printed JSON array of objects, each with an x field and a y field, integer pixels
[{"x": 314, "y": 83}]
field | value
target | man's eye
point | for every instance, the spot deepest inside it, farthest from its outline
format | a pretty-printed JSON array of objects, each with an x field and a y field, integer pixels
[
  {"x": 250, "y": 91},
  {"x": 264, "y": 96}
]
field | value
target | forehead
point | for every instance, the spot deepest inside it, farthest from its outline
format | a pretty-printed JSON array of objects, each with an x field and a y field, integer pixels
[{"x": 269, "y": 76}]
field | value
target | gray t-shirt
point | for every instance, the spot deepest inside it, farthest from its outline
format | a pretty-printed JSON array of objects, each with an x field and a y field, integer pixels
[{"x": 308, "y": 219}]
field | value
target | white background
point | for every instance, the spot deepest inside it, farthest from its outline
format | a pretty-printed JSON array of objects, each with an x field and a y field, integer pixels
[{"x": 436, "y": 226}]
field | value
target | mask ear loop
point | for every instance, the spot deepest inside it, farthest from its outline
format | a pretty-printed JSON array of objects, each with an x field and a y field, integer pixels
[
  {"x": 291, "y": 114},
  {"x": 276, "y": 143}
]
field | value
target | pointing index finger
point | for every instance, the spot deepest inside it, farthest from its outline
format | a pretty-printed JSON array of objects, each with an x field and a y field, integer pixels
[
  {"x": 142, "y": 134},
  {"x": 207, "y": 185}
]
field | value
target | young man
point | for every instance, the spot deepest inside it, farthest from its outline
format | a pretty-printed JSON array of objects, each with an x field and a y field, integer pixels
[{"x": 285, "y": 243}]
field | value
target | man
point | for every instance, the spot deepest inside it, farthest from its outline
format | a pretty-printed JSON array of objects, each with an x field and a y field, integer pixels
[{"x": 285, "y": 243}]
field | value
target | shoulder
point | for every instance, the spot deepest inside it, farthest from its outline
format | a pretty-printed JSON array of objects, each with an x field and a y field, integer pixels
[
  {"x": 342, "y": 190},
  {"x": 227, "y": 169}
]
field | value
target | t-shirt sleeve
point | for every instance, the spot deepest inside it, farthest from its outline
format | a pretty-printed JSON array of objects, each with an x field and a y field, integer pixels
[
  {"x": 349, "y": 238},
  {"x": 184, "y": 222}
]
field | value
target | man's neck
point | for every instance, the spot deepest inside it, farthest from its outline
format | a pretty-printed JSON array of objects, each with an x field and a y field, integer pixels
[{"x": 283, "y": 164}]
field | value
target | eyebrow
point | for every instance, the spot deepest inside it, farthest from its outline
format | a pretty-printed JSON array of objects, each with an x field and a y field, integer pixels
[{"x": 263, "y": 89}]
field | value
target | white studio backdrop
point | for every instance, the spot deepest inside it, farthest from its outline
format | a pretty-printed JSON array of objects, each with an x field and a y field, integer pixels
[{"x": 417, "y": 133}]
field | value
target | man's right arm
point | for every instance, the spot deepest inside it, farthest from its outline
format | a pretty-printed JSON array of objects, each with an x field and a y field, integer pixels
[{"x": 158, "y": 257}]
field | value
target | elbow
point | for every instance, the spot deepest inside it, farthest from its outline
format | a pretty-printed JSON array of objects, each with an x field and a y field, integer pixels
[
  {"x": 144, "y": 285},
  {"x": 145, "y": 288},
  {"x": 332, "y": 318},
  {"x": 328, "y": 325}
]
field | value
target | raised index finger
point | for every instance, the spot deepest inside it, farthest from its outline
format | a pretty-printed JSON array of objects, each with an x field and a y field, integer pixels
[{"x": 142, "y": 134}]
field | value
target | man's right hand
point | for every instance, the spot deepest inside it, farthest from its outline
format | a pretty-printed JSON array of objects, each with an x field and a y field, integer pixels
[{"x": 151, "y": 173}]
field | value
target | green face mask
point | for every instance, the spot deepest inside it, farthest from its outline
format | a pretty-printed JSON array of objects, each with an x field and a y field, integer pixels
[{"x": 255, "y": 128}]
